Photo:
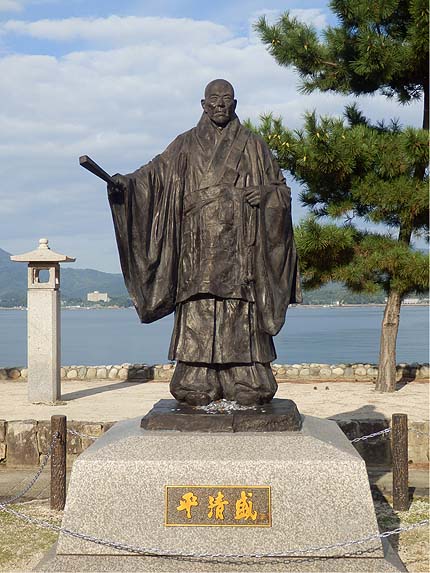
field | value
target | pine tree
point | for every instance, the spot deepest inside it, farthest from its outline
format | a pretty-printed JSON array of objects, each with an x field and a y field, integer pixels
[{"x": 354, "y": 169}]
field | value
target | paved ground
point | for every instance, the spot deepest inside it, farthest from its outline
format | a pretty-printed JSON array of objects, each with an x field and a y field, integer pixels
[{"x": 107, "y": 400}]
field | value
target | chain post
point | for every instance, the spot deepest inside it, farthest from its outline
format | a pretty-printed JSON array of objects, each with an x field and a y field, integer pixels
[
  {"x": 399, "y": 446},
  {"x": 58, "y": 462}
]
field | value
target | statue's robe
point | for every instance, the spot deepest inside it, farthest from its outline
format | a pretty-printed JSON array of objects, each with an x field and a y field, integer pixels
[{"x": 189, "y": 242}]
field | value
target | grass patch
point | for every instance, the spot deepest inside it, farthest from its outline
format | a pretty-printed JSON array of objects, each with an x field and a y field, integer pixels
[
  {"x": 22, "y": 544},
  {"x": 412, "y": 546}
]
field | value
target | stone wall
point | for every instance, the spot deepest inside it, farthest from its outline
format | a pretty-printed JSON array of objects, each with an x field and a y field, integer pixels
[
  {"x": 24, "y": 443},
  {"x": 160, "y": 372}
]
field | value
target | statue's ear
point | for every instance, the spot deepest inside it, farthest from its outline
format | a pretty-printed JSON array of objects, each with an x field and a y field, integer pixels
[
  {"x": 235, "y": 104},
  {"x": 202, "y": 101}
]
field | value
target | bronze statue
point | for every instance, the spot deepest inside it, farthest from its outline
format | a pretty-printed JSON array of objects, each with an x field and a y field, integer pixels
[{"x": 204, "y": 230}]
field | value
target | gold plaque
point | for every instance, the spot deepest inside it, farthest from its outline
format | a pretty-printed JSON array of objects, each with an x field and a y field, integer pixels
[{"x": 218, "y": 505}]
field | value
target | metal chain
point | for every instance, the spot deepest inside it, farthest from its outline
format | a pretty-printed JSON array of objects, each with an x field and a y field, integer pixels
[
  {"x": 167, "y": 553},
  {"x": 75, "y": 433},
  {"x": 361, "y": 438},
  {"x": 37, "y": 474},
  {"x": 381, "y": 433}
]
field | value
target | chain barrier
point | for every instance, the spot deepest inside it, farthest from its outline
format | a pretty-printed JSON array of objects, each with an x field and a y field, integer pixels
[
  {"x": 75, "y": 433},
  {"x": 362, "y": 438},
  {"x": 37, "y": 474},
  {"x": 355, "y": 440},
  {"x": 166, "y": 553}
]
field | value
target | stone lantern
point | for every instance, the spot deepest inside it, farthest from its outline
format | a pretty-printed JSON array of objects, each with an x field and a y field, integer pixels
[{"x": 43, "y": 322}]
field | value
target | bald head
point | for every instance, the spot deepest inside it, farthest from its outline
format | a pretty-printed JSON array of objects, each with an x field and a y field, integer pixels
[
  {"x": 219, "y": 85},
  {"x": 219, "y": 102}
]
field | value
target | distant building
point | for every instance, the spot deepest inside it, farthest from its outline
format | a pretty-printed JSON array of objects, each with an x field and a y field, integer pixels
[
  {"x": 97, "y": 296},
  {"x": 411, "y": 301}
]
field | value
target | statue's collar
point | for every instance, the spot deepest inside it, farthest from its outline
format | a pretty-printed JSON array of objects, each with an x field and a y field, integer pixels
[{"x": 208, "y": 133}]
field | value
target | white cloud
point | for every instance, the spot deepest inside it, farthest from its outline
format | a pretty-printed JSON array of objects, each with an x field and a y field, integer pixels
[
  {"x": 312, "y": 16},
  {"x": 120, "y": 30},
  {"x": 122, "y": 104},
  {"x": 10, "y": 6}
]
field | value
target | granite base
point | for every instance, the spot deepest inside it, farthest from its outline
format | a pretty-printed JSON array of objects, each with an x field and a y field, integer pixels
[{"x": 320, "y": 496}]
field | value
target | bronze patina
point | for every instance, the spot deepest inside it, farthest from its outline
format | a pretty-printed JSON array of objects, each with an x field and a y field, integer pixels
[{"x": 204, "y": 230}]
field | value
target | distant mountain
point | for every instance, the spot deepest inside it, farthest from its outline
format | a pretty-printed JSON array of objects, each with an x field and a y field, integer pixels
[{"x": 75, "y": 283}]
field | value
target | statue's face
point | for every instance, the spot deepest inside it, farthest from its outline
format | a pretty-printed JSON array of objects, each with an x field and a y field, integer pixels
[{"x": 219, "y": 102}]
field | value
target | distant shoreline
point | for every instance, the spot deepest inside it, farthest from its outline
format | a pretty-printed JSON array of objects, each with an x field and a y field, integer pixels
[{"x": 345, "y": 305}]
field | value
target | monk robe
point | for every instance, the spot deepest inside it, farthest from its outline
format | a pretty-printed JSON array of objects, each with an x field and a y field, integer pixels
[{"x": 190, "y": 243}]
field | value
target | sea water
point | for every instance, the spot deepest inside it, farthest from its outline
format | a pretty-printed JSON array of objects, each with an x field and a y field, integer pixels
[{"x": 311, "y": 334}]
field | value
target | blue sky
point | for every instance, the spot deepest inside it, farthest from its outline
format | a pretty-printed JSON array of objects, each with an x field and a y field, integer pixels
[{"x": 118, "y": 81}]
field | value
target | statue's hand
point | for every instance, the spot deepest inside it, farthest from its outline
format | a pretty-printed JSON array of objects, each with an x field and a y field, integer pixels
[
  {"x": 253, "y": 195},
  {"x": 116, "y": 190}
]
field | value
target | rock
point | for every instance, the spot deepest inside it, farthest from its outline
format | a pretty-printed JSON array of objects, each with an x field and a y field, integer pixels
[
  {"x": 101, "y": 373},
  {"x": 298, "y": 366},
  {"x": 424, "y": 372},
  {"x": 24, "y": 373},
  {"x": 338, "y": 371},
  {"x": 43, "y": 437},
  {"x": 325, "y": 372},
  {"x": 91, "y": 372},
  {"x": 281, "y": 372},
  {"x": 63, "y": 373},
  {"x": 107, "y": 426},
  {"x": 72, "y": 374},
  {"x": 372, "y": 371},
  {"x": 3, "y": 374},
  {"x": 292, "y": 372},
  {"x": 74, "y": 445},
  {"x": 21, "y": 439},
  {"x": 314, "y": 371},
  {"x": 14, "y": 374},
  {"x": 2, "y": 450},
  {"x": 360, "y": 371},
  {"x": 82, "y": 372},
  {"x": 89, "y": 429},
  {"x": 167, "y": 366},
  {"x": 3, "y": 425},
  {"x": 113, "y": 373},
  {"x": 349, "y": 373},
  {"x": 123, "y": 374},
  {"x": 304, "y": 372}
]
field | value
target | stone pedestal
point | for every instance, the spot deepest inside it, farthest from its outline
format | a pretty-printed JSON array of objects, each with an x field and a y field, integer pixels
[
  {"x": 44, "y": 350},
  {"x": 319, "y": 496},
  {"x": 43, "y": 331}
]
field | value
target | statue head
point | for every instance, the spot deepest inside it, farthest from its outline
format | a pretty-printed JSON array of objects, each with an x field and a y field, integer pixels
[{"x": 219, "y": 102}]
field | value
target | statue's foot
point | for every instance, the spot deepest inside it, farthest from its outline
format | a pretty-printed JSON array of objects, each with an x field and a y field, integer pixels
[
  {"x": 250, "y": 398},
  {"x": 196, "y": 398}
]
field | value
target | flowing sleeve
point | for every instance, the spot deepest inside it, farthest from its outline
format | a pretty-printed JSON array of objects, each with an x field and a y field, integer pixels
[
  {"x": 147, "y": 220},
  {"x": 276, "y": 270}
]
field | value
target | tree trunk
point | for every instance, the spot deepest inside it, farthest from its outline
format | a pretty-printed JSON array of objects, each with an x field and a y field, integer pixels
[
  {"x": 386, "y": 381},
  {"x": 426, "y": 106}
]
